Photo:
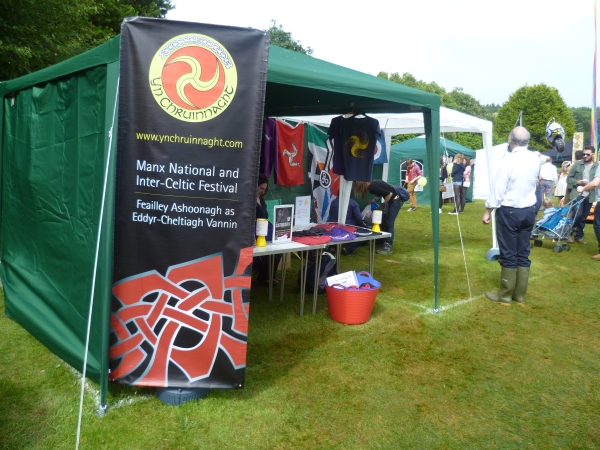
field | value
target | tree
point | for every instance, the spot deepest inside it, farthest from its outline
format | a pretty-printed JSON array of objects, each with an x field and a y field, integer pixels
[
  {"x": 35, "y": 34},
  {"x": 538, "y": 103},
  {"x": 459, "y": 100},
  {"x": 491, "y": 109},
  {"x": 456, "y": 99},
  {"x": 283, "y": 39},
  {"x": 111, "y": 13},
  {"x": 583, "y": 119}
]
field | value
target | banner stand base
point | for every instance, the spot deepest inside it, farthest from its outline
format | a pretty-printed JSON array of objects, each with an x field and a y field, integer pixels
[
  {"x": 178, "y": 396},
  {"x": 492, "y": 254}
]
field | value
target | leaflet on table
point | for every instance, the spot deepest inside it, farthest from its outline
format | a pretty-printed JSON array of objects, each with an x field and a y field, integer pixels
[
  {"x": 347, "y": 279},
  {"x": 305, "y": 227},
  {"x": 302, "y": 211},
  {"x": 282, "y": 227}
]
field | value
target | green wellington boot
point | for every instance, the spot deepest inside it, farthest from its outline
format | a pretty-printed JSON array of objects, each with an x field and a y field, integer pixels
[
  {"x": 508, "y": 278},
  {"x": 521, "y": 285}
]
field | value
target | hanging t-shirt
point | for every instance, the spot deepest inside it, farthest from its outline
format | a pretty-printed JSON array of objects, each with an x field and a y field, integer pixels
[
  {"x": 290, "y": 151},
  {"x": 335, "y": 137},
  {"x": 359, "y": 137},
  {"x": 268, "y": 149}
]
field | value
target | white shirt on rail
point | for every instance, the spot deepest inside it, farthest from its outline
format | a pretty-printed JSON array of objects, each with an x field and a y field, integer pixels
[{"x": 515, "y": 182}]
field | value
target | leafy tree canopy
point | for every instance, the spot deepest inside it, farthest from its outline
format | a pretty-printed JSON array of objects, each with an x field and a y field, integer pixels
[
  {"x": 456, "y": 99},
  {"x": 35, "y": 34},
  {"x": 583, "y": 119},
  {"x": 283, "y": 39},
  {"x": 538, "y": 103},
  {"x": 492, "y": 109}
]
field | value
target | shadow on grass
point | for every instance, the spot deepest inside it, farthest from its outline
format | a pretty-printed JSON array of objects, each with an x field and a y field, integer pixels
[
  {"x": 23, "y": 417},
  {"x": 279, "y": 339}
]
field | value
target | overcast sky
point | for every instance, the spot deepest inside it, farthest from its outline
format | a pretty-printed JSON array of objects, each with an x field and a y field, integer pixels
[{"x": 489, "y": 48}]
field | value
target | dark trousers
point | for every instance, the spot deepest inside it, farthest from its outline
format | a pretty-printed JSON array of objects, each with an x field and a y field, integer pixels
[
  {"x": 597, "y": 223},
  {"x": 261, "y": 265},
  {"x": 351, "y": 246},
  {"x": 457, "y": 197},
  {"x": 463, "y": 198},
  {"x": 546, "y": 188},
  {"x": 539, "y": 197},
  {"x": 513, "y": 230},
  {"x": 579, "y": 221},
  {"x": 393, "y": 210}
]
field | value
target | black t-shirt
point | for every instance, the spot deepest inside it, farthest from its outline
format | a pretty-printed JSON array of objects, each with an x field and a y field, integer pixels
[
  {"x": 359, "y": 139},
  {"x": 381, "y": 188},
  {"x": 261, "y": 210}
]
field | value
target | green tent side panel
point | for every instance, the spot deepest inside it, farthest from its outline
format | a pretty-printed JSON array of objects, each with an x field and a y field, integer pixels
[
  {"x": 416, "y": 149},
  {"x": 54, "y": 155}
]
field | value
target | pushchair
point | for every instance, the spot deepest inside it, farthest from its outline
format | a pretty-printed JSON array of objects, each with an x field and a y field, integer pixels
[{"x": 559, "y": 226}]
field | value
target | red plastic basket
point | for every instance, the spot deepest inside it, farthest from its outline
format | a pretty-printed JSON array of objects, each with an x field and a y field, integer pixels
[{"x": 351, "y": 306}]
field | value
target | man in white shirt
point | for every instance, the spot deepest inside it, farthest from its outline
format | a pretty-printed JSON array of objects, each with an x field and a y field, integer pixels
[
  {"x": 548, "y": 178},
  {"x": 513, "y": 198}
]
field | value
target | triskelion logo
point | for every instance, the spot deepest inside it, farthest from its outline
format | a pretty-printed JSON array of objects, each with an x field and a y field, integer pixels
[{"x": 193, "y": 78}]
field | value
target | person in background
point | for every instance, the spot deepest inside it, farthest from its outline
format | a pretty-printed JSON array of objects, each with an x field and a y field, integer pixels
[
  {"x": 568, "y": 198},
  {"x": 579, "y": 175},
  {"x": 561, "y": 184},
  {"x": 413, "y": 173},
  {"x": 385, "y": 190},
  {"x": 443, "y": 176},
  {"x": 548, "y": 178},
  {"x": 353, "y": 217},
  {"x": 549, "y": 209},
  {"x": 458, "y": 169},
  {"x": 353, "y": 214},
  {"x": 466, "y": 182},
  {"x": 594, "y": 185},
  {"x": 513, "y": 197},
  {"x": 261, "y": 263}
]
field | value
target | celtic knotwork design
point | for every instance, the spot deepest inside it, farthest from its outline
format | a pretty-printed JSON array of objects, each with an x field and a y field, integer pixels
[{"x": 156, "y": 309}]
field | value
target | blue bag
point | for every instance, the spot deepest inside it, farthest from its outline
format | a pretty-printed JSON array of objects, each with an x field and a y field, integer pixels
[{"x": 402, "y": 193}]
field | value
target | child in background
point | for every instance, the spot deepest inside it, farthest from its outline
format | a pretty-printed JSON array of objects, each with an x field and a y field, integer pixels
[{"x": 549, "y": 209}]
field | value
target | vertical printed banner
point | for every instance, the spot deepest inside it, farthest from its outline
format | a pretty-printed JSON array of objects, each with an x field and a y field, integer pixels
[{"x": 191, "y": 100}]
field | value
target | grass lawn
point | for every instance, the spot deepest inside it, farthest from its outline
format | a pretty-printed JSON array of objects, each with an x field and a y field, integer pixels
[{"x": 476, "y": 375}]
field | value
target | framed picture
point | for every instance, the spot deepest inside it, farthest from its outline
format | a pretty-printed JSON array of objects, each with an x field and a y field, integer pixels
[{"x": 282, "y": 224}]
